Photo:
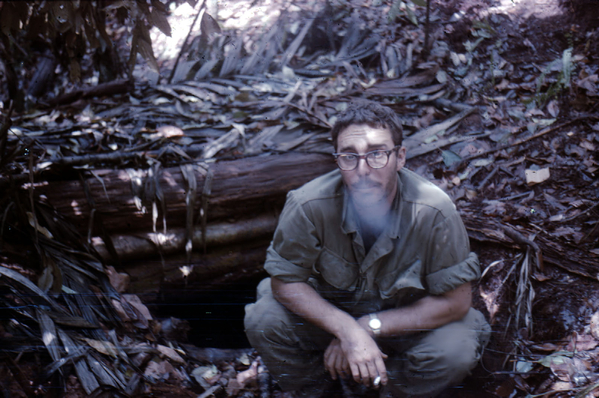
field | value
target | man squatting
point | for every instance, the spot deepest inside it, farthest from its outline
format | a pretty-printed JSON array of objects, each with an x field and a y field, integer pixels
[{"x": 370, "y": 271}]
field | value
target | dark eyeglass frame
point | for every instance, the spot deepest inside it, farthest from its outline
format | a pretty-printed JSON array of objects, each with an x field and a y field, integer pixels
[{"x": 365, "y": 157}]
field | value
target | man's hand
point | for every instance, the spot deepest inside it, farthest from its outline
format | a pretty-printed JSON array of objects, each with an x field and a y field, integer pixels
[
  {"x": 364, "y": 359},
  {"x": 363, "y": 356},
  {"x": 335, "y": 362}
]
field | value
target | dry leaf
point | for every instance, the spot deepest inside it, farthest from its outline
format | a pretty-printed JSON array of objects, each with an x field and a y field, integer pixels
[
  {"x": 103, "y": 347},
  {"x": 40, "y": 229},
  {"x": 158, "y": 370},
  {"x": 136, "y": 302},
  {"x": 553, "y": 108},
  {"x": 206, "y": 375},
  {"x": 120, "y": 281},
  {"x": 170, "y": 354},
  {"x": 537, "y": 176}
]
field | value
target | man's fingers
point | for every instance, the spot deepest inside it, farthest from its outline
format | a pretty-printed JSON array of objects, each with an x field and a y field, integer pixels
[
  {"x": 339, "y": 365},
  {"x": 365, "y": 375},
  {"x": 381, "y": 370},
  {"x": 346, "y": 370},
  {"x": 373, "y": 373},
  {"x": 355, "y": 371}
]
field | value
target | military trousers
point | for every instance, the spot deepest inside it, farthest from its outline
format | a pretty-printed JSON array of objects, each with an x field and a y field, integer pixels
[{"x": 418, "y": 365}]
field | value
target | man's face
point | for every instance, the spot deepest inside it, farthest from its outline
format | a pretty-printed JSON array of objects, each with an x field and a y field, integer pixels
[{"x": 368, "y": 186}]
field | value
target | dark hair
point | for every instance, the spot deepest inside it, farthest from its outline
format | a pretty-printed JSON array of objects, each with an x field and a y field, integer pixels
[{"x": 372, "y": 114}]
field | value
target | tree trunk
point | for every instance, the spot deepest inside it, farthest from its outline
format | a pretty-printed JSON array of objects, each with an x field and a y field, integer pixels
[{"x": 239, "y": 188}]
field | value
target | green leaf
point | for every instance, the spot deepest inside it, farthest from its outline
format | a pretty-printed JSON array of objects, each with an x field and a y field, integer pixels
[
  {"x": 142, "y": 44},
  {"x": 394, "y": 11},
  {"x": 523, "y": 366},
  {"x": 421, "y": 3},
  {"x": 411, "y": 16},
  {"x": 157, "y": 18},
  {"x": 557, "y": 358}
]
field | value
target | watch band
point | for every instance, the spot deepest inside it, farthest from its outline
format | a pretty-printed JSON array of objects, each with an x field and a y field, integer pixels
[{"x": 375, "y": 324}]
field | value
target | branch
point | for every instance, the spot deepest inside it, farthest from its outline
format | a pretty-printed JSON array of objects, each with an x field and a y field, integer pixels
[
  {"x": 200, "y": 12},
  {"x": 110, "y": 88},
  {"x": 541, "y": 133}
]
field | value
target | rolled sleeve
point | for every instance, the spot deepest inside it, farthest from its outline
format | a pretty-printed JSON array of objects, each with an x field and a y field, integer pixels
[
  {"x": 449, "y": 261},
  {"x": 283, "y": 269},
  {"x": 295, "y": 245},
  {"x": 447, "y": 279}
]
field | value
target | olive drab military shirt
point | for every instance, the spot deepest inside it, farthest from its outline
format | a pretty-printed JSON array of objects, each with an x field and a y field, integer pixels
[{"x": 423, "y": 249}]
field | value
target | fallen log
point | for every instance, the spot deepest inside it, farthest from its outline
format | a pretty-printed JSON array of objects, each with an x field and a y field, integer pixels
[
  {"x": 143, "y": 244},
  {"x": 121, "y": 198},
  {"x": 104, "y": 89}
]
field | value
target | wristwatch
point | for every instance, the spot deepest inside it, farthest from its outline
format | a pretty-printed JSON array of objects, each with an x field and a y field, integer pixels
[{"x": 375, "y": 324}]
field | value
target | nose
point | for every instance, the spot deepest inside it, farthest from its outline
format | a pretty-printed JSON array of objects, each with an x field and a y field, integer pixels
[{"x": 363, "y": 169}]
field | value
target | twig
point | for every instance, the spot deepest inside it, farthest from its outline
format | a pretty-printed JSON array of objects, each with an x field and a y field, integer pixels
[
  {"x": 200, "y": 11},
  {"x": 110, "y": 88},
  {"x": 519, "y": 238},
  {"x": 516, "y": 196},
  {"x": 427, "y": 148},
  {"x": 541, "y": 133},
  {"x": 484, "y": 182},
  {"x": 456, "y": 106},
  {"x": 581, "y": 213}
]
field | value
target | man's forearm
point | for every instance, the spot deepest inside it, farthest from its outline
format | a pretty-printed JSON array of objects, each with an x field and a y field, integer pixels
[
  {"x": 427, "y": 313},
  {"x": 301, "y": 299}
]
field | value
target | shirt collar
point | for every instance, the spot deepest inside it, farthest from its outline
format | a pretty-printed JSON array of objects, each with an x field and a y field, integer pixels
[{"x": 349, "y": 222}]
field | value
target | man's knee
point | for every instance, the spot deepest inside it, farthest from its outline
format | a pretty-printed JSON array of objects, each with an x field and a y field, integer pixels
[
  {"x": 265, "y": 323},
  {"x": 441, "y": 359},
  {"x": 447, "y": 363},
  {"x": 454, "y": 349}
]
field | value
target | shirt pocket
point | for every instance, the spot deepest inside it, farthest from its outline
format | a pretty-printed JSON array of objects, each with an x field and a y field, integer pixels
[
  {"x": 337, "y": 271},
  {"x": 400, "y": 280}
]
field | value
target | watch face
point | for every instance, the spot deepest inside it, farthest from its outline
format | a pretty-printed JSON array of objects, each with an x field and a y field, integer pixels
[{"x": 374, "y": 324}]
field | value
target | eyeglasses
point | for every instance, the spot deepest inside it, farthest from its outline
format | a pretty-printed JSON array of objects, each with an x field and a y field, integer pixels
[{"x": 376, "y": 159}]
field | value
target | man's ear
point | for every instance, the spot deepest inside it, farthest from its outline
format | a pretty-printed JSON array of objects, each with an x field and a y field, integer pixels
[{"x": 401, "y": 158}]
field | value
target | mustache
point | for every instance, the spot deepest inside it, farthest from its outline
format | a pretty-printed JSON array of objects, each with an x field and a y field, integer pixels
[{"x": 365, "y": 184}]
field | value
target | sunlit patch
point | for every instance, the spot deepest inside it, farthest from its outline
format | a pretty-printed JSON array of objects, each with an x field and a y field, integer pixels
[
  {"x": 160, "y": 239},
  {"x": 48, "y": 338},
  {"x": 491, "y": 302},
  {"x": 185, "y": 270},
  {"x": 528, "y": 8},
  {"x": 76, "y": 208}
]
